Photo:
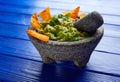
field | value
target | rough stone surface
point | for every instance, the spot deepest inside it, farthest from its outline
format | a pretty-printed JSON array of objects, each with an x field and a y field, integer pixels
[
  {"x": 77, "y": 51},
  {"x": 89, "y": 23}
]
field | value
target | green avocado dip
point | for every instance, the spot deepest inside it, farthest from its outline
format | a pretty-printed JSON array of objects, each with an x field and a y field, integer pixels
[{"x": 60, "y": 28}]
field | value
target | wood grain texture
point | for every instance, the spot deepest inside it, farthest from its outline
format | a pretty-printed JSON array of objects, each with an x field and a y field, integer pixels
[{"x": 20, "y": 61}]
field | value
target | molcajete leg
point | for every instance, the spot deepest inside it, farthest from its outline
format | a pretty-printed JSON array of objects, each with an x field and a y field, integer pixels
[
  {"x": 46, "y": 59},
  {"x": 82, "y": 61}
]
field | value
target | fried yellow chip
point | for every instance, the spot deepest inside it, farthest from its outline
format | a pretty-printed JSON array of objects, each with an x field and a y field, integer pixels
[
  {"x": 34, "y": 16},
  {"x": 73, "y": 13},
  {"x": 38, "y": 36},
  {"x": 82, "y": 15},
  {"x": 35, "y": 22},
  {"x": 45, "y": 14}
]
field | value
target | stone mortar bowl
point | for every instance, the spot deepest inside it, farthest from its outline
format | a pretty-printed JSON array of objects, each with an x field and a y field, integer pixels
[{"x": 77, "y": 51}]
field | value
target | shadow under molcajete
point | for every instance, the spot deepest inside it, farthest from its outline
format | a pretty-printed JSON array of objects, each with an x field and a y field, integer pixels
[{"x": 62, "y": 73}]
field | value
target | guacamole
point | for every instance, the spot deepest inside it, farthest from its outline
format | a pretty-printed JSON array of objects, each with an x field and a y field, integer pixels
[{"x": 60, "y": 28}]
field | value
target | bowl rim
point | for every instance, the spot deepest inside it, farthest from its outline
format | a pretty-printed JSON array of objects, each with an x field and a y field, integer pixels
[{"x": 98, "y": 34}]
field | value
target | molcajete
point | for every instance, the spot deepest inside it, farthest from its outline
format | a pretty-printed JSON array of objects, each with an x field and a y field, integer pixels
[{"x": 77, "y": 51}]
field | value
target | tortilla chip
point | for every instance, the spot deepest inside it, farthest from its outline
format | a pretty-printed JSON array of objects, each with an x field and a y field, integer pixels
[
  {"x": 73, "y": 13},
  {"x": 35, "y": 22},
  {"x": 34, "y": 16},
  {"x": 82, "y": 15},
  {"x": 38, "y": 36},
  {"x": 45, "y": 14}
]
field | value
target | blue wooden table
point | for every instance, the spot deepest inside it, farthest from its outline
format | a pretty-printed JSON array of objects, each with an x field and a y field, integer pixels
[{"x": 20, "y": 61}]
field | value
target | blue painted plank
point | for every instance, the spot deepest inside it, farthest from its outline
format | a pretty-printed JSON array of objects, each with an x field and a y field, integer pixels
[
  {"x": 85, "y": 5},
  {"x": 6, "y": 76},
  {"x": 14, "y": 18},
  {"x": 22, "y": 10},
  {"x": 109, "y": 45},
  {"x": 111, "y": 31},
  {"x": 19, "y": 9},
  {"x": 17, "y": 65},
  {"x": 104, "y": 63},
  {"x": 17, "y": 44},
  {"x": 27, "y": 55},
  {"x": 37, "y": 71},
  {"x": 13, "y": 30}
]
